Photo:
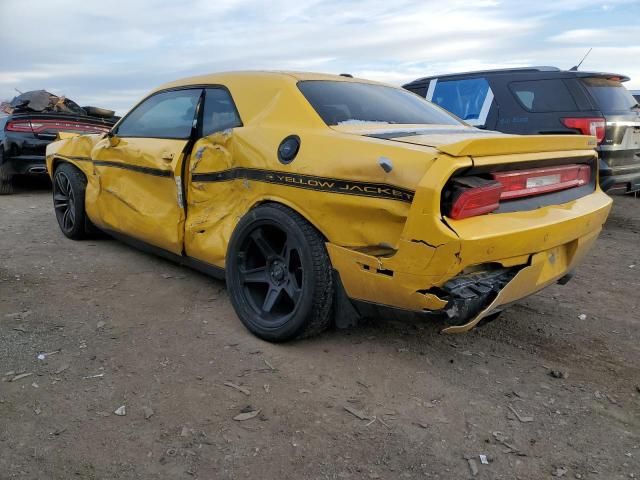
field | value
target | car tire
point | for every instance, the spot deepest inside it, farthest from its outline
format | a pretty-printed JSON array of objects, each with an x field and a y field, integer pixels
[
  {"x": 6, "y": 179},
  {"x": 69, "y": 186},
  {"x": 279, "y": 275}
]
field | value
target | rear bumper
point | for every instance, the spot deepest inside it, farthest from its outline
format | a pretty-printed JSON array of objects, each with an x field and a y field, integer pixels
[
  {"x": 26, "y": 165},
  {"x": 541, "y": 245},
  {"x": 625, "y": 179},
  {"x": 24, "y": 153},
  {"x": 620, "y": 170},
  {"x": 544, "y": 268}
]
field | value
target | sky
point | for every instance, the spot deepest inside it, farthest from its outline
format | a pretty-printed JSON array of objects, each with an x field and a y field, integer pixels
[{"x": 109, "y": 54}]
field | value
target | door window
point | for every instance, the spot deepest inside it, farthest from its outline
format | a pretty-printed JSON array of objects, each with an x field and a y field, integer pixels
[
  {"x": 219, "y": 112},
  {"x": 470, "y": 99},
  {"x": 163, "y": 115}
]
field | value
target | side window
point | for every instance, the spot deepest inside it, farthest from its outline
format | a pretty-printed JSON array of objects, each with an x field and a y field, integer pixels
[
  {"x": 219, "y": 112},
  {"x": 163, "y": 115},
  {"x": 469, "y": 99},
  {"x": 544, "y": 96}
]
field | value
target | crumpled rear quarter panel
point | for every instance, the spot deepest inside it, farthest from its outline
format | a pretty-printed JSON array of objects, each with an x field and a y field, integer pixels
[{"x": 324, "y": 184}]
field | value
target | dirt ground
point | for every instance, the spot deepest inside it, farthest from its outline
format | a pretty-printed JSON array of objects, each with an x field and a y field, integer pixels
[{"x": 118, "y": 327}]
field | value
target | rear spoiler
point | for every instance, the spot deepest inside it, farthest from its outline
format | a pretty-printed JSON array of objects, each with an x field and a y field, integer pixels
[
  {"x": 504, "y": 145},
  {"x": 605, "y": 75}
]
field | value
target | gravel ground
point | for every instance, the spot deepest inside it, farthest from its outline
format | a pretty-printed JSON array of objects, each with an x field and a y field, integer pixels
[{"x": 543, "y": 391}]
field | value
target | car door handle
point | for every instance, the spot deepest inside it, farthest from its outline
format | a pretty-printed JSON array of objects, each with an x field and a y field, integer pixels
[{"x": 167, "y": 156}]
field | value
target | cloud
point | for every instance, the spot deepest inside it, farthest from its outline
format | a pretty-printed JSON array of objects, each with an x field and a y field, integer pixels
[
  {"x": 111, "y": 54},
  {"x": 624, "y": 36}
]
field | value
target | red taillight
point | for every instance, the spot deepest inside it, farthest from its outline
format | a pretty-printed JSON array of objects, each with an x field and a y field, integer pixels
[
  {"x": 19, "y": 126},
  {"x": 587, "y": 126},
  {"x": 474, "y": 195},
  {"x": 525, "y": 183},
  {"x": 476, "y": 201},
  {"x": 39, "y": 126}
]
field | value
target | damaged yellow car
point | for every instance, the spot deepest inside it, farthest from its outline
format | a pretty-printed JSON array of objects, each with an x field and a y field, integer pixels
[{"x": 325, "y": 198}]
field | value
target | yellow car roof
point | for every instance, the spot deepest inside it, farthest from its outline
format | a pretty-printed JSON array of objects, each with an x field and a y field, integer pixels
[
  {"x": 225, "y": 78},
  {"x": 267, "y": 95}
]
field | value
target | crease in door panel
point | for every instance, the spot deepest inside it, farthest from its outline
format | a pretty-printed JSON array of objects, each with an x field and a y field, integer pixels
[{"x": 119, "y": 197}]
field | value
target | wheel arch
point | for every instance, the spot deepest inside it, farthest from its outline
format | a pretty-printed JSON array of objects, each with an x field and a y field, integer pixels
[
  {"x": 56, "y": 162},
  {"x": 293, "y": 206}
]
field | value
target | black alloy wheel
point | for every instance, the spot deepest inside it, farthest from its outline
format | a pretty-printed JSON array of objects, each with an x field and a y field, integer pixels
[
  {"x": 68, "y": 201},
  {"x": 64, "y": 202},
  {"x": 271, "y": 273},
  {"x": 279, "y": 274}
]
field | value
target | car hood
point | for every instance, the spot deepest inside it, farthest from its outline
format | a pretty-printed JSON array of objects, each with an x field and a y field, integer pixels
[{"x": 463, "y": 140}]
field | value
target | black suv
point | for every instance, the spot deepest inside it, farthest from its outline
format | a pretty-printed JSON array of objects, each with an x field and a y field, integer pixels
[{"x": 547, "y": 100}]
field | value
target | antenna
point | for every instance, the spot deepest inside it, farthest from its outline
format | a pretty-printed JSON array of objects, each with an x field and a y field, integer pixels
[
  {"x": 18, "y": 91},
  {"x": 575, "y": 69}
]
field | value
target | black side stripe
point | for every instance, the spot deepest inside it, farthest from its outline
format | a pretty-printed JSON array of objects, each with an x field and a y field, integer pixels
[
  {"x": 310, "y": 182},
  {"x": 134, "y": 168},
  {"x": 125, "y": 166},
  {"x": 79, "y": 159},
  {"x": 296, "y": 180}
]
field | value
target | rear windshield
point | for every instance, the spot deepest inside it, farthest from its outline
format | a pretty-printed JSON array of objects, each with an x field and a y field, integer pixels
[
  {"x": 611, "y": 95},
  {"x": 354, "y": 103}
]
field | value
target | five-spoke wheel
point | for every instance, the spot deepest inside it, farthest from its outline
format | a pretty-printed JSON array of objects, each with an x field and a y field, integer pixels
[
  {"x": 68, "y": 201},
  {"x": 279, "y": 274},
  {"x": 64, "y": 201},
  {"x": 271, "y": 272}
]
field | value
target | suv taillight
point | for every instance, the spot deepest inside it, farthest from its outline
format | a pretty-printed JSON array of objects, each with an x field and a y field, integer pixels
[
  {"x": 19, "y": 126},
  {"x": 587, "y": 126}
]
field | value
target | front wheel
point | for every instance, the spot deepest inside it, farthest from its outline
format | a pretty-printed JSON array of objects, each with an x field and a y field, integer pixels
[
  {"x": 68, "y": 201},
  {"x": 279, "y": 275}
]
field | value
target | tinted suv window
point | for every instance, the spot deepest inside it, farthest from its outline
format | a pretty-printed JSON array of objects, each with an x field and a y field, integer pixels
[
  {"x": 350, "y": 102},
  {"x": 611, "y": 95},
  {"x": 469, "y": 99},
  {"x": 163, "y": 115},
  {"x": 219, "y": 112},
  {"x": 544, "y": 96}
]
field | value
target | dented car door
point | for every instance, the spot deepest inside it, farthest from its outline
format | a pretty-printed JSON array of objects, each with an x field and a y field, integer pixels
[
  {"x": 209, "y": 198},
  {"x": 139, "y": 169}
]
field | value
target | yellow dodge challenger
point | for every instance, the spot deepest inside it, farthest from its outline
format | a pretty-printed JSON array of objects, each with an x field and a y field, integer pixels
[{"x": 325, "y": 199}]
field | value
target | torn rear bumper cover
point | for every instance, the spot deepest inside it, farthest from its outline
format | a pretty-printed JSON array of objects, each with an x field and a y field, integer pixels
[
  {"x": 467, "y": 299},
  {"x": 468, "y": 294}
]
